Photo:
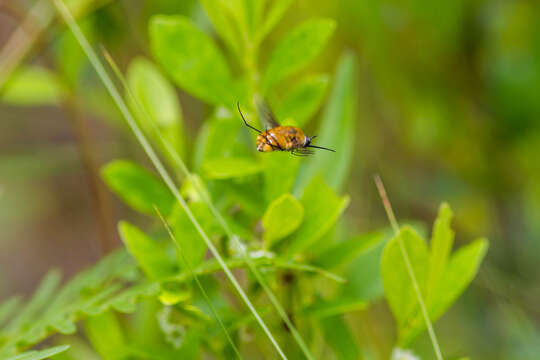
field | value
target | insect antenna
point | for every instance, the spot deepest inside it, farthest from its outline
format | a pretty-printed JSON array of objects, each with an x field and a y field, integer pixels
[
  {"x": 245, "y": 122},
  {"x": 320, "y": 147}
]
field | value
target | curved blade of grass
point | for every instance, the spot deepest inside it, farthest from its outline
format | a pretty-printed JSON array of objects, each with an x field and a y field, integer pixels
[
  {"x": 198, "y": 282},
  {"x": 235, "y": 240},
  {"x": 111, "y": 88},
  {"x": 395, "y": 226}
]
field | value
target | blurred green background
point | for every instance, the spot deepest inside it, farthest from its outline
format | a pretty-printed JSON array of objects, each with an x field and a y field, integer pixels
[{"x": 449, "y": 111}]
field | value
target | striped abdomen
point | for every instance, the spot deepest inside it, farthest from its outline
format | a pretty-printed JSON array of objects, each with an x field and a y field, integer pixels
[{"x": 284, "y": 138}]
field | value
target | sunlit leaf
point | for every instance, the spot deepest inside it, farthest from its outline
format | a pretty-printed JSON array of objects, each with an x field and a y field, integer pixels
[
  {"x": 297, "y": 49},
  {"x": 139, "y": 188},
  {"x": 158, "y": 99},
  {"x": 281, "y": 218},
  {"x": 106, "y": 336},
  {"x": 150, "y": 255},
  {"x": 440, "y": 247},
  {"x": 450, "y": 279},
  {"x": 458, "y": 274},
  {"x": 192, "y": 59},
  {"x": 398, "y": 287},
  {"x": 226, "y": 168},
  {"x": 33, "y": 85}
]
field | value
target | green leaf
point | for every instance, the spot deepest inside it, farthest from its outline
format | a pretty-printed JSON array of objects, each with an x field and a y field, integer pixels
[
  {"x": 344, "y": 252},
  {"x": 322, "y": 309},
  {"x": 126, "y": 301},
  {"x": 397, "y": 283},
  {"x": 41, "y": 354},
  {"x": 303, "y": 100},
  {"x": 150, "y": 255},
  {"x": 138, "y": 187},
  {"x": 282, "y": 217},
  {"x": 158, "y": 99},
  {"x": 461, "y": 270},
  {"x": 216, "y": 139},
  {"x": 225, "y": 25},
  {"x": 337, "y": 130},
  {"x": 254, "y": 11},
  {"x": 33, "y": 85},
  {"x": 440, "y": 247},
  {"x": 227, "y": 168},
  {"x": 189, "y": 239},
  {"x": 106, "y": 336},
  {"x": 297, "y": 50},
  {"x": 338, "y": 335},
  {"x": 104, "y": 286},
  {"x": 449, "y": 280},
  {"x": 43, "y": 295},
  {"x": 322, "y": 208},
  {"x": 192, "y": 59},
  {"x": 276, "y": 12},
  {"x": 280, "y": 169}
]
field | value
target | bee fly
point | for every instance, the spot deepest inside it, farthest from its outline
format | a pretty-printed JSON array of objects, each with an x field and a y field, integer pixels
[{"x": 281, "y": 138}]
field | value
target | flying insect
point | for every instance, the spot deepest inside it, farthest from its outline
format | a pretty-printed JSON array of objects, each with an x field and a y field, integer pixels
[{"x": 281, "y": 138}]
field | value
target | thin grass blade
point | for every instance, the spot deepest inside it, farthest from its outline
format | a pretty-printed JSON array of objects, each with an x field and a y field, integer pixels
[{"x": 111, "y": 88}]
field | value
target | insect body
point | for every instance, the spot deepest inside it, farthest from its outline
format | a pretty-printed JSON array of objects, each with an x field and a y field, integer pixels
[
  {"x": 281, "y": 138},
  {"x": 286, "y": 138}
]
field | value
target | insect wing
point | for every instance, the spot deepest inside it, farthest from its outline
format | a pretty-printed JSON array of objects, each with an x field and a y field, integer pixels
[{"x": 265, "y": 113}]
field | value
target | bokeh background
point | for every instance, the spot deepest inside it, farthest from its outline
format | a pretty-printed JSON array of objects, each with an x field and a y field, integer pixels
[{"x": 449, "y": 110}]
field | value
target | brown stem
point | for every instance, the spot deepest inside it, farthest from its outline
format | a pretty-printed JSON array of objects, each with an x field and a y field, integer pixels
[{"x": 87, "y": 153}]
